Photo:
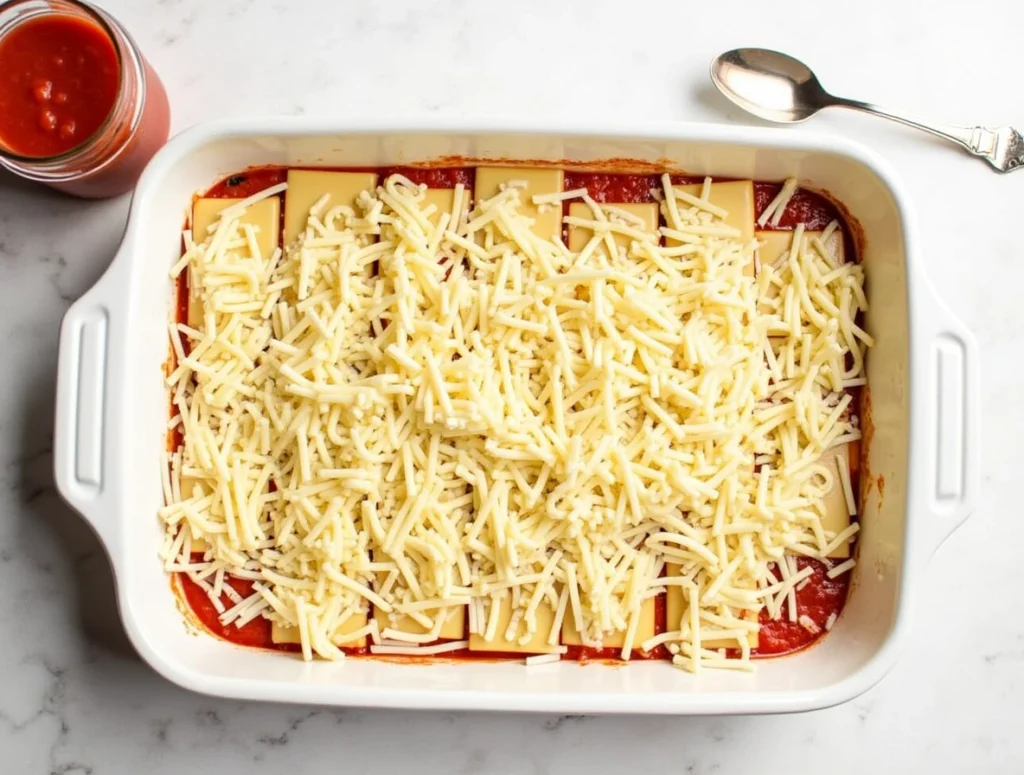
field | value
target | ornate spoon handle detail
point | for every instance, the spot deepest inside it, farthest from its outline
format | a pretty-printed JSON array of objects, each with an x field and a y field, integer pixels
[{"x": 1003, "y": 147}]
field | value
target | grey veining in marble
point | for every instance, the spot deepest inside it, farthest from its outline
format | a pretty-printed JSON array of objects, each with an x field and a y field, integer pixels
[{"x": 74, "y": 698}]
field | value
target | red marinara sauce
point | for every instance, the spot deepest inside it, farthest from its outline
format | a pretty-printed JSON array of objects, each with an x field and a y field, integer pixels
[
  {"x": 243, "y": 184},
  {"x": 818, "y": 600},
  {"x": 59, "y": 83},
  {"x": 610, "y": 187},
  {"x": 81, "y": 110},
  {"x": 255, "y": 633}
]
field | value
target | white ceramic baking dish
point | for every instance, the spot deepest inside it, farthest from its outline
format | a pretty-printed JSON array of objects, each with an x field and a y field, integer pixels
[{"x": 923, "y": 374}]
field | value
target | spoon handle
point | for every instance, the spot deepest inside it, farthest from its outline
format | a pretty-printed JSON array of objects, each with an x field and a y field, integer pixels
[{"x": 1003, "y": 147}]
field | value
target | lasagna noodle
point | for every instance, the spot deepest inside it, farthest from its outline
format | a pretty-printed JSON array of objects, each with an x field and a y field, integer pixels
[
  {"x": 645, "y": 630},
  {"x": 645, "y": 215},
  {"x": 773, "y": 246},
  {"x": 342, "y": 636},
  {"x": 453, "y": 626},
  {"x": 535, "y": 643},
  {"x": 263, "y": 216},
  {"x": 736, "y": 197},
  {"x": 677, "y": 608},
  {"x": 547, "y": 220},
  {"x": 546, "y": 223},
  {"x": 307, "y": 187}
]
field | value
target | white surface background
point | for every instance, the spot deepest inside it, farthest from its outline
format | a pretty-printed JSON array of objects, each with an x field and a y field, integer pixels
[{"x": 73, "y": 696}]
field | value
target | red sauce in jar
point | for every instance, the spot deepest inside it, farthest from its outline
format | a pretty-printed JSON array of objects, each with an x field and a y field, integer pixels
[
  {"x": 58, "y": 83},
  {"x": 81, "y": 110}
]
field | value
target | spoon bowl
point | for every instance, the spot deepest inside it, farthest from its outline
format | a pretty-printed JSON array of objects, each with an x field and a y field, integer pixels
[{"x": 771, "y": 85}]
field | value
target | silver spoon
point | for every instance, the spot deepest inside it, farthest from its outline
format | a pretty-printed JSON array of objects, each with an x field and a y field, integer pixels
[{"x": 777, "y": 87}]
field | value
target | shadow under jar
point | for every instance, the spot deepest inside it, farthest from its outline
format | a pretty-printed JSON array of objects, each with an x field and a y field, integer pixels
[{"x": 80, "y": 108}]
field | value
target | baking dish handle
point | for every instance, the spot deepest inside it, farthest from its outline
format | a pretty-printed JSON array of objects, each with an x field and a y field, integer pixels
[
  {"x": 86, "y": 399},
  {"x": 953, "y": 421}
]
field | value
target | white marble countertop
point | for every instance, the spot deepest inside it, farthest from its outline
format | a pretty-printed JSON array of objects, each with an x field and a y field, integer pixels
[{"x": 74, "y": 698}]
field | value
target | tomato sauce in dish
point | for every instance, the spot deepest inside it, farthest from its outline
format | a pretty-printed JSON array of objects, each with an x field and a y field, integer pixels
[
  {"x": 255, "y": 633},
  {"x": 247, "y": 183},
  {"x": 254, "y": 180},
  {"x": 433, "y": 177},
  {"x": 818, "y": 598},
  {"x": 811, "y": 209},
  {"x": 612, "y": 187},
  {"x": 58, "y": 83}
]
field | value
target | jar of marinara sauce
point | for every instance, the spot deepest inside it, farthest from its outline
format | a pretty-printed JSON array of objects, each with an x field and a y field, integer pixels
[{"x": 80, "y": 108}]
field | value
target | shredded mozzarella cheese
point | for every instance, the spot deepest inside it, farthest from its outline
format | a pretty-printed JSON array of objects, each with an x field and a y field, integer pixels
[{"x": 418, "y": 415}]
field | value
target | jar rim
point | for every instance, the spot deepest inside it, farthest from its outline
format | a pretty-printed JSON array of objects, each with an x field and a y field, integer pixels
[{"x": 107, "y": 26}]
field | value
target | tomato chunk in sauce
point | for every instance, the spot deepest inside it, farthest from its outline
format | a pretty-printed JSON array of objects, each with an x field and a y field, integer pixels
[{"x": 59, "y": 83}]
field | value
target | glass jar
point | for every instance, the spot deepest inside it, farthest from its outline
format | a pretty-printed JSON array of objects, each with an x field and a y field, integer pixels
[{"x": 110, "y": 161}]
